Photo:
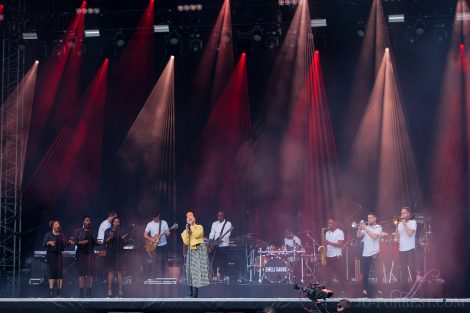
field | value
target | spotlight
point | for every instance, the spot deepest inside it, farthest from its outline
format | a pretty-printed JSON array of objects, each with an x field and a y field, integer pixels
[
  {"x": 195, "y": 42},
  {"x": 119, "y": 39},
  {"x": 288, "y": 2},
  {"x": 360, "y": 31},
  {"x": 318, "y": 23},
  {"x": 92, "y": 33},
  {"x": 272, "y": 40},
  {"x": 440, "y": 35},
  {"x": 410, "y": 36},
  {"x": 465, "y": 16},
  {"x": 257, "y": 34},
  {"x": 419, "y": 28},
  {"x": 161, "y": 28},
  {"x": 396, "y": 18},
  {"x": 29, "y": 35},
  {"x": 174, "y": 39},
  {"x": 440, "y": 32},
  {"x": 244, "y": 43},
  {"x": 173, "y": 43}
]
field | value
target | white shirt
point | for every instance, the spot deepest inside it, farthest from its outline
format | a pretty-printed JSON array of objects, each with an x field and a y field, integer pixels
[
  {"x": 216, "y": 232},
  {"x": 290, "y": 242},
  {"x": 371, "y": 246},
  {"x": 334, "y": 237},
  {"x": 407, "y": 242},
  {"x": 103, "y": 226},
  {"x": 152, "y": 227}
]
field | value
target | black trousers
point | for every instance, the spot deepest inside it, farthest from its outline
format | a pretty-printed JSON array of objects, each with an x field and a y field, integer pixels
[
  {"x": 220, "y": 260},
  {"x": 408, "y": 266},
  {"x": 160, "y": 267},
  {"x": 367, "y": 263}
]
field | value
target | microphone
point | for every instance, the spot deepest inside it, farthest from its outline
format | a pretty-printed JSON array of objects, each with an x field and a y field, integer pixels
[{"x": 188, "y": 227}]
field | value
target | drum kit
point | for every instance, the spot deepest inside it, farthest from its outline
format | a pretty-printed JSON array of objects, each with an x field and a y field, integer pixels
[{"x": 279, "y": 264}]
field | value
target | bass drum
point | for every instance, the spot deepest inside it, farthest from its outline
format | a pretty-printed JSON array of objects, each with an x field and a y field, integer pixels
[{"x": 276, "y": 270}]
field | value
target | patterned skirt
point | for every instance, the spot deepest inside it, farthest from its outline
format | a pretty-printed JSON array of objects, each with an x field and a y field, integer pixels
[{"x": 197, "y": 267}]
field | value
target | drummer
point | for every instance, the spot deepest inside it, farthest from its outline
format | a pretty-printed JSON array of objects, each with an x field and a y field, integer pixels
[{"x": 291, "y": 241}]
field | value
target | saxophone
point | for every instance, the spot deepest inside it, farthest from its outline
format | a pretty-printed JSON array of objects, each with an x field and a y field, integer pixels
[{"x": 322, "y": 249}]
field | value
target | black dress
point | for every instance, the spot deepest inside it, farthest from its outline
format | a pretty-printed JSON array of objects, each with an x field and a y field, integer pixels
[
  {"x": 114, "y": 250},
  {"x": 85, "y": 253},
  {"x": 54, "y": 259}
]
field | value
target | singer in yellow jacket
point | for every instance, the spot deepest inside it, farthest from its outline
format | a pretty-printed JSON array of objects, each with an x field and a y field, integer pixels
[{"x": 196, "y": 260}]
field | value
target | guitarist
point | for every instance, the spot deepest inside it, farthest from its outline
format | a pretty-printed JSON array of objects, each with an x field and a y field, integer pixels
[
  {"x": 220, "y": 235},
  {"x": 157, "y": 230}
]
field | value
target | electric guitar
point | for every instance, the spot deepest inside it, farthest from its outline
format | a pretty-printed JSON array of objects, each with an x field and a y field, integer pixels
[
  {"x": 212, "y": 244},
  {"x": 151, "y": 245}
]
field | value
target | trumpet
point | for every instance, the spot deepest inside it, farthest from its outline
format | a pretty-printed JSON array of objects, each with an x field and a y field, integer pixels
[
  {"x": 357, "y": 225},
  {"x": 396, "y": 220}
]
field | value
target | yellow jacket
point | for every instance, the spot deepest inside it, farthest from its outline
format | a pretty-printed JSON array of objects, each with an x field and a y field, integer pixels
[{"x": 196, "y": 237}]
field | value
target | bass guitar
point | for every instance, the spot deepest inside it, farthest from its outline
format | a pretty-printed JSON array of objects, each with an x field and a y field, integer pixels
[{"x": 212, "y": 244}]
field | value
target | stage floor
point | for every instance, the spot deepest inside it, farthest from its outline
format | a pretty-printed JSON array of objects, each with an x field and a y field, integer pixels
[{"x": 26, "y": 305}]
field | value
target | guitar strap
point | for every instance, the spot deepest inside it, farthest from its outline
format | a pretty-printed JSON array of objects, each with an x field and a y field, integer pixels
[
  {"x": 222, "y": 230},
  {"x": 159, "y": 227}
]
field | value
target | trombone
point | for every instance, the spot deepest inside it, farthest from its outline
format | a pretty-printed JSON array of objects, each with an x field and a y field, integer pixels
[{"x": 394, "y": 221}]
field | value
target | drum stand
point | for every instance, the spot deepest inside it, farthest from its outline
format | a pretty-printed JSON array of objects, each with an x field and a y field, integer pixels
[
  {"x": 392, "y": 267},
  {"x": 260, "y": 280},
  {"x": 313, "y": 271},
  {"x": 250, "y": 263}
]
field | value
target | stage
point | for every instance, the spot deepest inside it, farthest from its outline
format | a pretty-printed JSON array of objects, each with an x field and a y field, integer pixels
[{"x": 36, "y": 305}]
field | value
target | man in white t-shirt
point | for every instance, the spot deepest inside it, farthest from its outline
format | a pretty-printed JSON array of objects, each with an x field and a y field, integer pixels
[
  {"x": 334, "y": 250},
  {"x": 220, "y": 233},
  {"x": 105, "y": 225},
  {"x": 291, "y": 241},
  {"x": 153, "y": 228},
  {"x": 406, "y": 233},
  {"x": 370, "y": 235}
]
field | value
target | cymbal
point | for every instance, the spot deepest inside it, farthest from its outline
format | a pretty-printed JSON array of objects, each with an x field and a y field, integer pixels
[
  {"x": 305, "y": 232},
  {"x": 384, "y": 234}
]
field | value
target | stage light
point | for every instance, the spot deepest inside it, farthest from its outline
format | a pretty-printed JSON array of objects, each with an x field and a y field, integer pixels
[
  {"x": 440, "y": 35},
  {"x": 410, "y": 36},
  {"x": 272, "y": 40},
  {"x": 174, "y": 44},
  {"x": 195, "y": 41},
  {"x": 465, "y": 16},
  {"x": 396, "y": 18},
  {"x": 36, "y": 62},
  {"x": 244, "y": 43},
  {"x": 318, "y": 23},
  {"x": 161, "y": 28},
  {"x": 195, "y": 44},
  {"x": 89, "y": 33},
  {"x": 257, "y": 34},
  {"x": 120, "y": 38},
  {"x": 288, "y": 2},
  {"x": 419, "y": 28},
  {"x": 174, "y": 39},
  {"x": 361, "y": 30},
  {"x": 30, "y": 35}
]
